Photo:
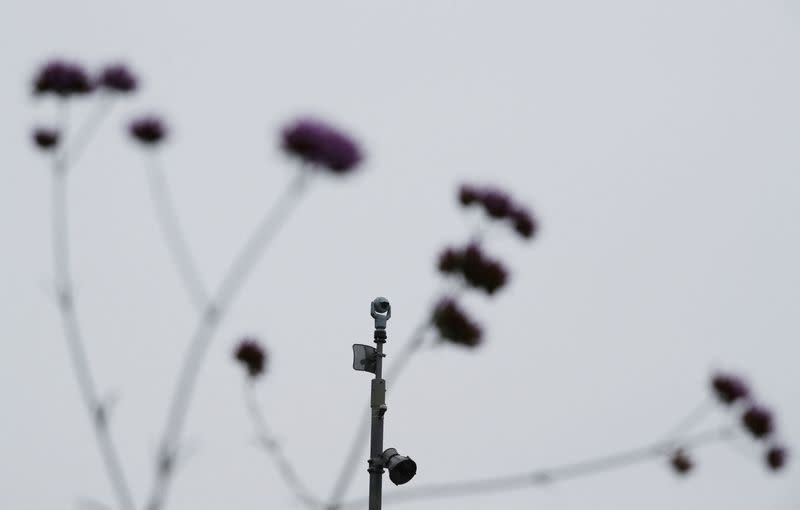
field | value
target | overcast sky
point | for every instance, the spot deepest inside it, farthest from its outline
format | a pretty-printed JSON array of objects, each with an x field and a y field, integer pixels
[{"x": 656, "y": 141}]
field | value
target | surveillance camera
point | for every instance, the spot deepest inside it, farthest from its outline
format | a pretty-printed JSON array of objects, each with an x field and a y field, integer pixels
[
  {"x": 381, "y": 311},
  {"x": 401, "y": 469},
  {"x": 381, "y": 305}
]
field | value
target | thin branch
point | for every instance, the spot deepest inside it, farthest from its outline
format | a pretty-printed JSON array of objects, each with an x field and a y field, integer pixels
[
  {"x": 273, "y": 447},
  {"x": 86, "y": 132},
  {"x": 207, "y": 326},
  {"x": 693, "y": 419},
  {"x": 551, "y": 475},
  {"x": 72, "y": 330},
  {"x": 178, "y": 248}
]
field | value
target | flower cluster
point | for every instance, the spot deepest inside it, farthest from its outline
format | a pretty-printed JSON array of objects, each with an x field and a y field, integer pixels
[
  {"x": 729, "y": 388},
  {"x": 62, "y": 78},
  {"x": 756, "y": 419},
  {"x": 319, "y": 144},
  {"x": 498, "y": 205},
  {"x": 252, "y": 356},
  {"x": 478, "y": 270},
  {"x": 45, "y": 138},
  {"x": 117, "y": 78},
  {"x": 148, "y": 130},
  {"x": 454, "y": 325},
  {"x": 681, "y": 462},
  {"x": 66, "y": 79}
]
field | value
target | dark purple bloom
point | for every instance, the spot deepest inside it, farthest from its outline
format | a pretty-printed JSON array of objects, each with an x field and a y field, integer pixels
[
  {"x": 776, "y": 458},
  {"x": 117, "y": 78},
  {"x": 481, "y": 271},
  {"x": 62, "y": 78},
  {"x": 46, "y": 138},
  {"x": 450, "y": 261},
  {"x": 523, "y": 222},
  {"x": 454, "y": 325},
  {"x": 468, "y": 195},
  {"x": 758, "y": 421},
  {"x": 322, "y": 145},
  {"x": 681, "y": 462},
  {"x": 148, "y": 130},
  {"x": 252, "y": 356},
  {"x": 729, "y": 388},
  {"x": 496, "y": 203},
  {"x": 478, "y": 270}
]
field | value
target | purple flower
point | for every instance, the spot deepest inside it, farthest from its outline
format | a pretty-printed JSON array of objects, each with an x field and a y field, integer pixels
[
  {"x": 776, "y": 457},
  {"x": 496, "y": 203},
  {"x": 322, "y": 145},
  {"x": 729, "y": 388},
  {"x": 454, "y": 325},
  {"x": 468, "y": 195},
  {"x": 481, "y": 271},
  {"x": 252, "y": 356},
  {"x": 148, "y": 130},
  {"x": 46, "y": 138},
  {"x": 62, "y": 78},
  {"x": 478, "y": 270},
  {"x": 758, "y": 421},
  {"x": 681, "y": 462},
  {"x": 523, "y": 223},
  {"x": 117, "y": 78},
  {"x": 450, "y": 261}
]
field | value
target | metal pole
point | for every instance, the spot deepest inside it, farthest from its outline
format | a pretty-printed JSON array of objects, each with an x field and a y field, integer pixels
[{"x": 378, "y": 407}]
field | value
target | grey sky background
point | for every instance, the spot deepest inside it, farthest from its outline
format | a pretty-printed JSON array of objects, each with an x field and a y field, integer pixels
[{"x": 656, "y": 141}]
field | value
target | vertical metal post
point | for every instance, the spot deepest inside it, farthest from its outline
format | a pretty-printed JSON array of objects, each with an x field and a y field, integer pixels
[{"x": 377, "y": 406}]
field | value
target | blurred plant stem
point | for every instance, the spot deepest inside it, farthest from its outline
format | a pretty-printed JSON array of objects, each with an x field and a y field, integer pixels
[
  {"x": 98, "y": 410},
  {"x": 273, "y": 447},
  {"x": 174, "y": 237},
  {"x": 210, "y": 319},
  {"x": 659, "y": 449}
]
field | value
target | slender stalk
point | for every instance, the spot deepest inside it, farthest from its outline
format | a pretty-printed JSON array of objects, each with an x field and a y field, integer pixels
[
  {"x": 554, "y": 474},
  {"x": 209, "y": 321},
  {"x": 89, "y": 128},
  {"x": 74, "y": 337},
  {"x": 178, "y": 248},
  {"x": 694, "y": 418},
  {"x": 271, "y": 445}
]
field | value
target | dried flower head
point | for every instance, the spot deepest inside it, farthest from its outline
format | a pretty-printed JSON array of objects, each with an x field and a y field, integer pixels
[
  {"x": 46, "y": 138},
  {"x": 523, "y": 222},
  {"x": 252, "y": 356},
  {"x": 478, "y": 269},
  {"x": 117, "y": 78},
  {"x": 776, "y": 457},
  {"x": 758, "y": 421},
  {"x": 681, "y": 462},
  {"x": 454, "y": 325},
  {"x": 148, "y": 130},
  {"x": 450, "y": 261},
  {"x": 481, "y": 271},
  {"x": 322, "y": 145},
  {"x": 62, "y": 78},
  {"x": 498, "y": 205},
  {"x": 468, "y": 195},
  {"x": 729, "y": 388}
]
